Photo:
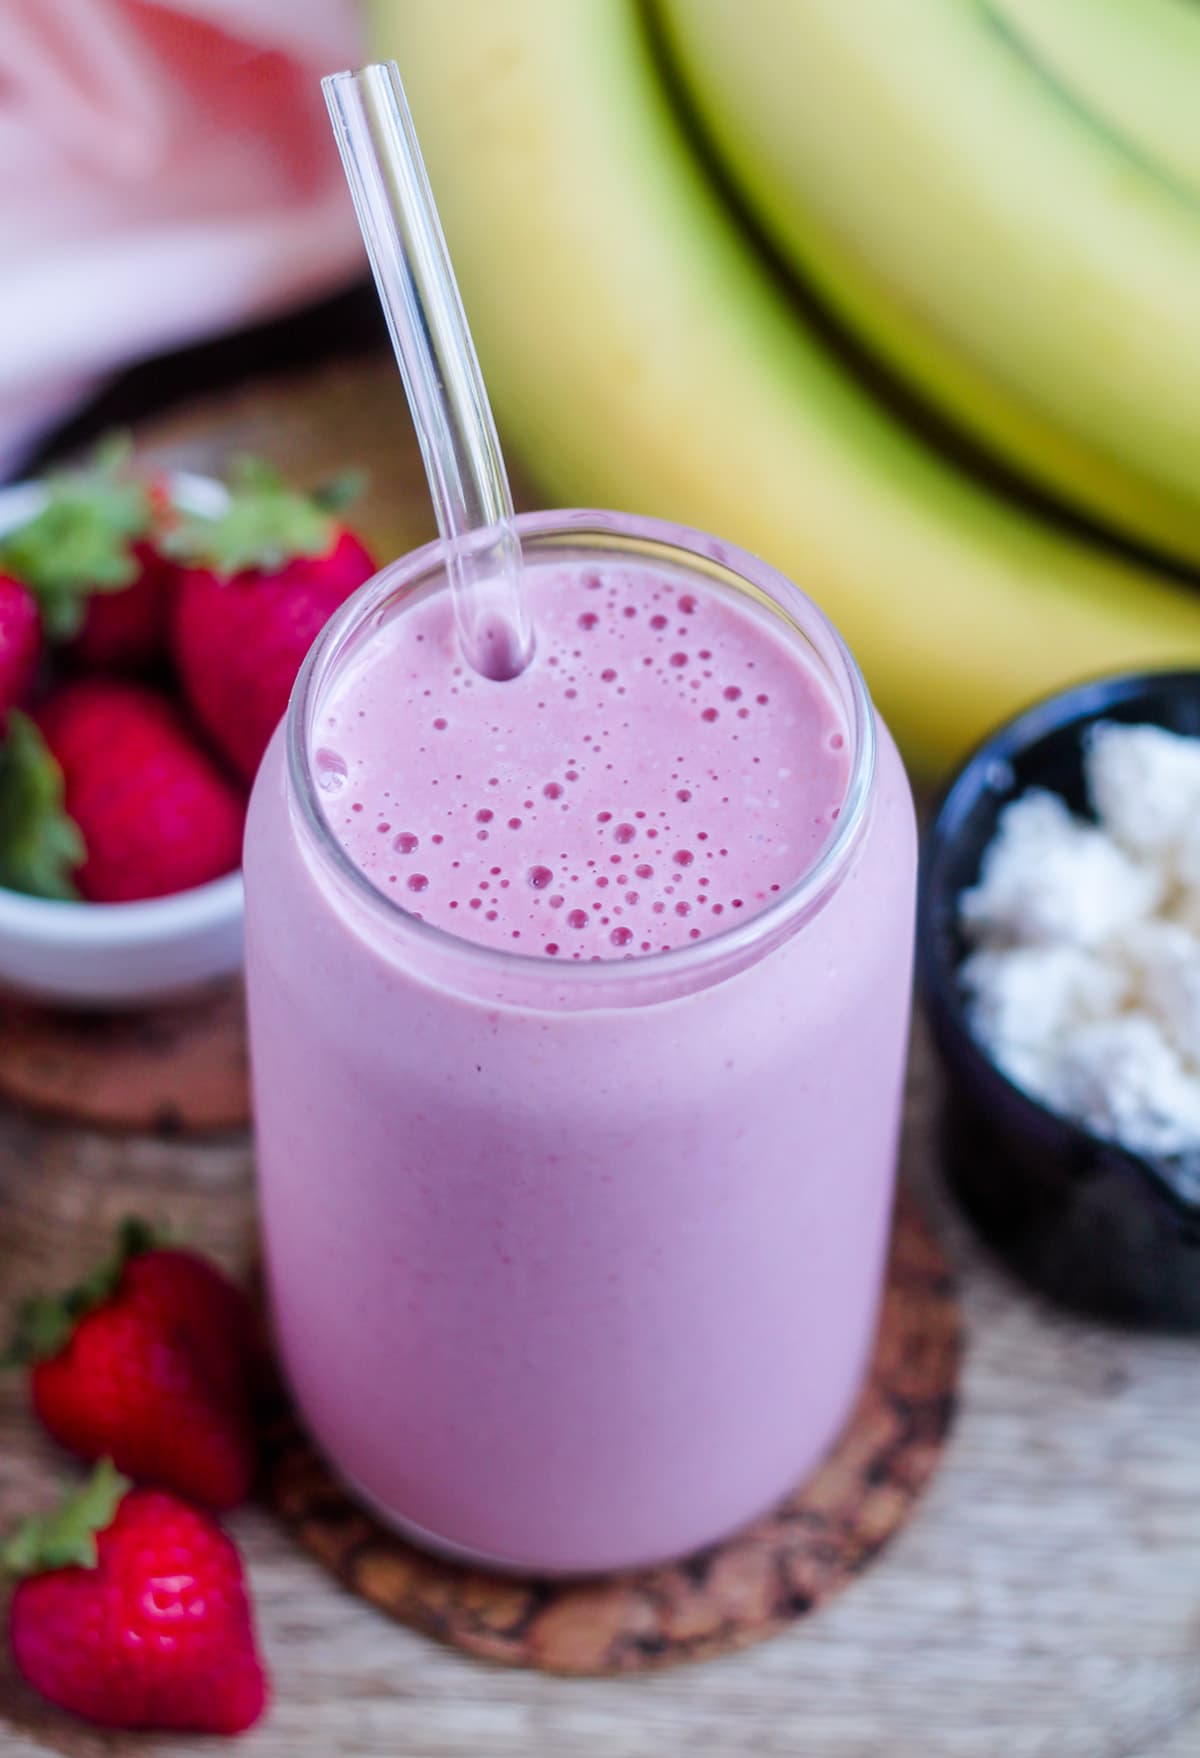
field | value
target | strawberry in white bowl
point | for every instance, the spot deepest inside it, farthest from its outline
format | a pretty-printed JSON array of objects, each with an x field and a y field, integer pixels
[{"x": 131, "y": 605}]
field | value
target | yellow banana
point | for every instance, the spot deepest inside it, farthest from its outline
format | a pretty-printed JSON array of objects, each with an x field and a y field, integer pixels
[
  {"x": 639, "y": 357},
  {"x": 1026, "y": 266}
]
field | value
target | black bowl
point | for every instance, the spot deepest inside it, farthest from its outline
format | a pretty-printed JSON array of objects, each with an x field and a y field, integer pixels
[{"x": 1092, "y": 1225}]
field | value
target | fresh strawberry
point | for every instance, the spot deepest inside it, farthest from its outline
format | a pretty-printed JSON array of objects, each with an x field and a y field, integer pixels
[
  {"x": 155, "y": 813},
  {"x": 257, "y": 587},
  {"x": 90, "y": 559},
  {"x": 127, "y": 630},
  {"x": 131, "y": 1611},
  {"x": 150, "y": 1361},
  {"x": 20, "y": 643}
]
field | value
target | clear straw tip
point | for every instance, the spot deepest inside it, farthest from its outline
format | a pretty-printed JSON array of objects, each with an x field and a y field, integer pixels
[{"x": 437, "y": 359}]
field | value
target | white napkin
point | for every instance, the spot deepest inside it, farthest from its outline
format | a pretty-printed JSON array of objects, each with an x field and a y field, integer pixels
[{"x": 166, "y": 171}]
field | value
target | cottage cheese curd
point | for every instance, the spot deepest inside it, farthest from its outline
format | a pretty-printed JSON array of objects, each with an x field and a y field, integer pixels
[{"x": 1084, "y": 979}]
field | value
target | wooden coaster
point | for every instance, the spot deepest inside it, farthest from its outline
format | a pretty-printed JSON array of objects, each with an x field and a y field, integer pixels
[
  {"x": 171, "y": 1069},
  {"x": 721, "y": 1599}
]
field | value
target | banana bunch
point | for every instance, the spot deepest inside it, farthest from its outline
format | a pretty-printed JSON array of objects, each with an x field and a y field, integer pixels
[
  {"x": 642, "y": 353},
  {"x": 957, "y": 181}
]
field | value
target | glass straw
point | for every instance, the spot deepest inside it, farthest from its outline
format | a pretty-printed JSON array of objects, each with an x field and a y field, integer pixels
[{"x": 438, "y": 363}]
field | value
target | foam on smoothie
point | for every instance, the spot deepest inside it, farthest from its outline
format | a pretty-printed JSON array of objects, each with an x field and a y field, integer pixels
[{"x": 665, "y": 766}]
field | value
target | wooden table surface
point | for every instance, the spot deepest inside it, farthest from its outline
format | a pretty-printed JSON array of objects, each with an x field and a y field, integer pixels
[{"x": 1045, "y": 1602}]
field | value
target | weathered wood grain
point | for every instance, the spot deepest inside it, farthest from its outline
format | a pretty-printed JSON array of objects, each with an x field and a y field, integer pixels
[{"x": 176, "y": 1068}]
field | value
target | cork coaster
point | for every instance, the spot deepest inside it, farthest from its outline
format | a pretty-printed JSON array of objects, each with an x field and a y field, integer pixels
[
  {"x": 749, "y": 1587},
  {"x": 169, "y": 1069}
]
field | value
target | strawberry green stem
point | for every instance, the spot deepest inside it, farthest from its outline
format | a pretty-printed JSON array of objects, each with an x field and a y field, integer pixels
[
  {"x": 40, "y": 845},
  {"x": 45, "y": 1322},
  {"x": 66, "y": 1536},
  {"x": 82, "y": 541},
  {"x": 265, "y": 523}
]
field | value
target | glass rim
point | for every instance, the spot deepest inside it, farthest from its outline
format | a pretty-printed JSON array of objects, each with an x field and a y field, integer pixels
[{"x": 698, "y": 552}]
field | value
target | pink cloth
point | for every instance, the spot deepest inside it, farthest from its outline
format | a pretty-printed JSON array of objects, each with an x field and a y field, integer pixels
[{"x": 166, "y": 171}]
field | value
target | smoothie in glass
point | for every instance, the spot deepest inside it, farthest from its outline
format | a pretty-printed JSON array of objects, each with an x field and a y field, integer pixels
[{"x": 578, "y": 1009}]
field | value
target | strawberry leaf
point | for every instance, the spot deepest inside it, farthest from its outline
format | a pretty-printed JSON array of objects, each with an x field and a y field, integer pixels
[
  {"x": 135, "y": 1237},
  {"x": 338, "y": 492},
  {"x": 265, "y": 525},
  {"x": 45, "y": 1322},
  {"x": 44, "y": 1327},
  {"x": 40, "y": 847},
  {"x": 66, "y": 1537},
  {"x": 82, "y": 540}
]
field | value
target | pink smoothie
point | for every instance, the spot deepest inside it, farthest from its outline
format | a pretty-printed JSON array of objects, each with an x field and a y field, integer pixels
[
  {"x": 661, "y": 768},
  {"x": 576, "y": 1264}
]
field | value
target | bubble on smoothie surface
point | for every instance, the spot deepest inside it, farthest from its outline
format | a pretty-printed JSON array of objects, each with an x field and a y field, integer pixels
[{"x": 600, "y": 806}]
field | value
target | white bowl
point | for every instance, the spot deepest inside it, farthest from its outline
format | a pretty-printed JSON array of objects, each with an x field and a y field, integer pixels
[{"x": 94, "y": 955}]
